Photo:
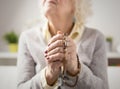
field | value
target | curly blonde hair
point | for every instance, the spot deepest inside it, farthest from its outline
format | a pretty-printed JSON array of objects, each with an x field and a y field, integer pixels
[{"x": 82, "y": 11}]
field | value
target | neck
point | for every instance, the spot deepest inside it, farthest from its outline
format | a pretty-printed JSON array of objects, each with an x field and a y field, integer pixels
[{"x": 65, "y": 27}]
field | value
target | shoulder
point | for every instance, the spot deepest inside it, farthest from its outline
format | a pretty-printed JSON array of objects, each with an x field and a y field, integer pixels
[
  {"x": 92, "y": 33},
  {"x": 96, "y": 38},
  {"x": 92, "y": 39},
  {"x": 31, "y": 33}
]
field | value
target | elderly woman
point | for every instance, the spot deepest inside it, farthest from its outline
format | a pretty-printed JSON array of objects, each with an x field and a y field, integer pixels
[{"x": 61, "y": 53}]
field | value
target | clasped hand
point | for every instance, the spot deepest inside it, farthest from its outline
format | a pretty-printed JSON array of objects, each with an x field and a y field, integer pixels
[{"x": 56, "y": 57}]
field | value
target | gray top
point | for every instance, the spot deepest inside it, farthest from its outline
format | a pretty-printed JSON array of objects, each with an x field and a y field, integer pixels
[{"x": 91, "y": 52}]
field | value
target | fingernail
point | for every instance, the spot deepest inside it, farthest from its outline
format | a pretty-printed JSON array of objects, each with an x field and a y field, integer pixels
[
  {"x": 48, "y": 58},
  {"x": 49, "y": 44},
  {"x": 46, "y": 55},
  {"x": 46, "y": 51}
]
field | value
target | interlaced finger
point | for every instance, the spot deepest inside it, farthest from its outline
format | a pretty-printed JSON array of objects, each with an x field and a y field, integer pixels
[
  {"x": 55, "y": 38},
  {"x": 58, "y": 43},
  {"x": 56, "y": 50}
]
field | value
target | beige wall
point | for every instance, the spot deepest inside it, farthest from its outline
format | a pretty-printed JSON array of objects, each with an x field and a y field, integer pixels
[
  {"x": 107, "y": 18},
  {"x": 17, "y": 14}
]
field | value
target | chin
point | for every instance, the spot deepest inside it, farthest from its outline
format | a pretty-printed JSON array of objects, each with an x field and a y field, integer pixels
[{"x": 49, "y": 10}]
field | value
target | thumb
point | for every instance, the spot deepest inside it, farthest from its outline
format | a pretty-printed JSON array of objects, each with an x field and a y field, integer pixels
[{"x": 59, "y": 32}]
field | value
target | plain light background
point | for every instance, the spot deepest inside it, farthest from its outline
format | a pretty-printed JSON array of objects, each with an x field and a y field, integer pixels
[{"x": 19, "y": 14}]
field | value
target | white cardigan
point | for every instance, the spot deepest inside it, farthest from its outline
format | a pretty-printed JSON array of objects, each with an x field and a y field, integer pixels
[{"x": 92, "y": 55}]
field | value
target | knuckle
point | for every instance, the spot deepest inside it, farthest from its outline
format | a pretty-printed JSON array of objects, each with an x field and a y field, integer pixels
[
  {"x": 57, "y": 54},
  {"x": 58, "y": 49},
  {"x": 49, "y": 48},
  {"x": 51, "y": 57},
  {"x": 58, "y": 42}
]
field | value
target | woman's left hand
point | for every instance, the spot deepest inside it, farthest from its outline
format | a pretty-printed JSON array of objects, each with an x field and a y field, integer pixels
[{"x": 71, "y": 63}]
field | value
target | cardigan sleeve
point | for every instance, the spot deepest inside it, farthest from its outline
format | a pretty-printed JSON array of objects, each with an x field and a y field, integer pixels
[
  {"x": 95, "y": 75},
  {"x": 27, "y": 77}
]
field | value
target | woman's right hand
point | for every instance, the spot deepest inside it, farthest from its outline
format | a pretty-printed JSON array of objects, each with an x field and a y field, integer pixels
[
  {"x": 52, "y": 72},
  {"x": 54, "y": 55}
]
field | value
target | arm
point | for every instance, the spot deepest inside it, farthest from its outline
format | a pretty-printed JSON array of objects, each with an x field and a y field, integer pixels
[
  {"x": 95, "y": 76},
  {"x": 27, "y": 77}
]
